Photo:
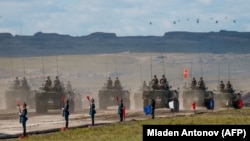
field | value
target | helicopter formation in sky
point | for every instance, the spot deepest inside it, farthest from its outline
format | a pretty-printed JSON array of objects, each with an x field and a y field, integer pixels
[{"x": 198, "y": 20}]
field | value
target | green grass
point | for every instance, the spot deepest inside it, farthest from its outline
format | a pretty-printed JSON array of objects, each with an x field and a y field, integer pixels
[{"x": 132, "y": 130}]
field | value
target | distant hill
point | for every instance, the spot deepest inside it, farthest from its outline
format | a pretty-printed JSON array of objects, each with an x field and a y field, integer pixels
[{"x": 47, "y": 44}]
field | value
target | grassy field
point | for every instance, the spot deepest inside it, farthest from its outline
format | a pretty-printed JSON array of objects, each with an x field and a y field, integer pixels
[{"x": 132, "y": 130}]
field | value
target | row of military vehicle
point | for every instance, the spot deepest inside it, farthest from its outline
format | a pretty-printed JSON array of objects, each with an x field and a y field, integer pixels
[
  {"x": 48, "y": 97},
  {"x": 193, "y": 92}
]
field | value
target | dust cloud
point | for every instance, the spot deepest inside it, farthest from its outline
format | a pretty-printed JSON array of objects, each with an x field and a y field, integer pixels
[{"x": 88, "y": 73}]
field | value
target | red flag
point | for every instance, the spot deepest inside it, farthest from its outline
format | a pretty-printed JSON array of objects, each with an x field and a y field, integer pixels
[
  {"x": 62, "y": 99},
  {"x": 185, "y": 73},
  {"x": 240, "y": 103},
  {"x": 117, "y": 98},
  {"x": 18, "y": 102},
  {"x": 87, "y": 98},
  {"x": 193, "y": 106}
]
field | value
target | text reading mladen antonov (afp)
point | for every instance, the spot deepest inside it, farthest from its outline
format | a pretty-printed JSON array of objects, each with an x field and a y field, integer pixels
[{"x": 217, "y": 132}]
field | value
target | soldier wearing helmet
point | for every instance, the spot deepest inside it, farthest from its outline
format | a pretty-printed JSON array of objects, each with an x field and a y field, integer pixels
[
  {"x": 16, "y": 83},
  {"x": 109, "y": 83},
  {"x": 25, "y": 83},
  {"x": 163, "y": 82},
  {"x": 155, "y": 82},
  {"x": 201, "y": 83},
  {"x": 221, "y": 86},
  {"x": 57, "y": 83},
  {"x": 48, "y": 84},
  {"x": 117, "y": 83},
  {"x": 229, "y": 86},
  {"x": 194, "y": 83}
]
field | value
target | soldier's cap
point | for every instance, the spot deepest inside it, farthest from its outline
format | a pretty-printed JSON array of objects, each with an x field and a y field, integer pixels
[
  {"x": 93, "y": 100},
  {"x": 24, "y": 104}
]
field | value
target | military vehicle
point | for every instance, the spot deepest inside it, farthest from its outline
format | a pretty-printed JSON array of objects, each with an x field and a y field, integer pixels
[
  {"x": 19, "y": 93},
  {"x": 227, "y": 97},
  {"x": 198, "y": 94},
  {"x": 53, "y": 98},
  {"x": 109, "y": 93},
  {"x": 162, "y": 96}
]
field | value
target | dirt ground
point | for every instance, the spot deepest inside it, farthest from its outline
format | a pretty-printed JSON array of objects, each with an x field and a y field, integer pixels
[
  {"x": 53, "y": 120},
  {"x": 88, "y": 73}
]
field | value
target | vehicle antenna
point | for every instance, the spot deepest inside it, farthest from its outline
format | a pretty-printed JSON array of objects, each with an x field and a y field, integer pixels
[
  {"x": 106, "y": 67},
  {"x": 56, "y": 66},
  {"x": 219, "y": 72},
  {"x": 115, "y": 66},
  {"x": 23, "y": 68},
  {"x": 191, "y": 68},
  {"x": 43, "y": 70},
  {"x": 163, "y": 65},
  {"x": 151, "y": 66},
  {"x": 141, "y": 73},
  {"x": 12, "y": 67},
  {"x": 201, "y": 69},
  {"x": 228, "y": 72}
]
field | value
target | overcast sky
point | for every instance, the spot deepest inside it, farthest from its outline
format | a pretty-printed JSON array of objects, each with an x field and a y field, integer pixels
[{"x": 123, "y": 17}]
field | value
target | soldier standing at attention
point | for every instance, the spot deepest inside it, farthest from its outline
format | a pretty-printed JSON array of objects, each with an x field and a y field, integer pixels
[
  {"x": 66, "y": 113},
  {"x": 152, "y": 107},
  {"x": 92, "y": 111},
  {"x": 23, "y": 118},
  {"x": 120, "y": 110}
]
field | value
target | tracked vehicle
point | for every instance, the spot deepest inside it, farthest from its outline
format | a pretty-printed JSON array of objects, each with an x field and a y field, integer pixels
[
  {"x": 227, "y": 97},
  {"x": 19, "y": 93},
  {"x": 161, "y": 95},
  {"x": 199, "y": 95},
  {"x": 108, "y": 94},
  {"x": 53, "y": 98}
]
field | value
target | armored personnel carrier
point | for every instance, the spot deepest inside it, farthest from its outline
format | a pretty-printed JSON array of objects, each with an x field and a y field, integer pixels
[
  {"x": 162, "y": 96},
  {"x": 19, "y": 92},
  {"x": 53, "y": 98},
  {"x": 225, "y": 97},
  {"x": 198, "y": 94},
  {"x": 109, "y": 92}
]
